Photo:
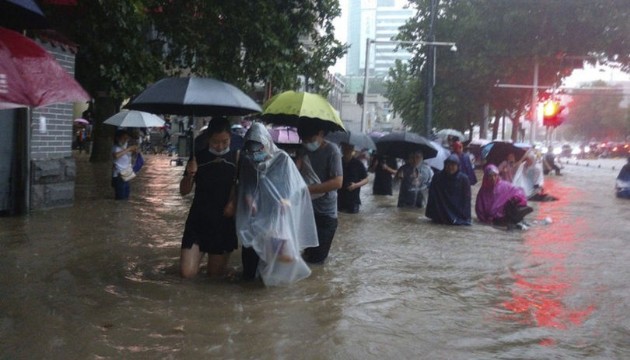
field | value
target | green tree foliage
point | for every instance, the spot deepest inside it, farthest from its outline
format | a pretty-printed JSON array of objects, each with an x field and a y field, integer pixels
[
  {"x": 597, "y": 114},
  {"x": 125, "y": 45},
  {"x": 499, "y": 42}
]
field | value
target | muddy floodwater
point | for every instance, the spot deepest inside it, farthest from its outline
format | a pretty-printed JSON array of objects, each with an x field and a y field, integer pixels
[{"x": 100, "y": 280}]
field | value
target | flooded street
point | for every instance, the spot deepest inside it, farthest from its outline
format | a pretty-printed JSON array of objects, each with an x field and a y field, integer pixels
[{"x": 100, "y": 281}]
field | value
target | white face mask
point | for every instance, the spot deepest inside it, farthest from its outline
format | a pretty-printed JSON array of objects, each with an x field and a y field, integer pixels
[
  {"x": 219, "y": 153},
  {"x": 312, "y": 146},
  {"x": 124, "y": 145}
]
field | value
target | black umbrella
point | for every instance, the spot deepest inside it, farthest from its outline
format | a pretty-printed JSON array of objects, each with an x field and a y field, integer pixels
[
  {"x": 401, "y": 144},
  {"x": 194, "y": 97},
  {"x": 359, "y": 140},
  {"x": 21, "y": 14},
  {"x": 497, "y": 151}
]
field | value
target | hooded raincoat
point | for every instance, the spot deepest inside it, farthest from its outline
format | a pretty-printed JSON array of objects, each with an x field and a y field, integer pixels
[
  {"x": 450, "y": 196},
  {"x": 529, "y": 176},
  {"x": 274, "y": 213},
  {"x": 493, "y": 197}
]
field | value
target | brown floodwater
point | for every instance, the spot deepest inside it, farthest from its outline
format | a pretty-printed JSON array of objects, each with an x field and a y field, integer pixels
[{"x": 99, "y": 280}]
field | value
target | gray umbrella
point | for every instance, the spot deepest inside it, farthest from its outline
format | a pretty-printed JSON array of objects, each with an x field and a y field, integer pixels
[
  {"x": 444, "y": 133},
  {"x": 194, "y": 96},
  {"x": 359, "y": 140}
]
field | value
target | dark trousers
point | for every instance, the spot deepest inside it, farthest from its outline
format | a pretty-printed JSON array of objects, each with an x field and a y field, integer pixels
[
  {"x": 326, "y": 227},
  {"x": 250, "y": 259},
  {"x": 121, "y": 188}
]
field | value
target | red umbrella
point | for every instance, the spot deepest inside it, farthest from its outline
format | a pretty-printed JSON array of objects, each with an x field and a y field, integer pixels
[{"x": 31, "y": 77}]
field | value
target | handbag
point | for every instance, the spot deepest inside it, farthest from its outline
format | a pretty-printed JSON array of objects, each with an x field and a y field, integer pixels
[{"x": 127, "y": 174}]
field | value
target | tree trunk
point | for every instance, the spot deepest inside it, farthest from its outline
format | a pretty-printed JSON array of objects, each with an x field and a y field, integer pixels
[
  {"x": 516, "y": 126},
  {"x": 103, "y": 134},
  {"x": 495, "y": 124}
]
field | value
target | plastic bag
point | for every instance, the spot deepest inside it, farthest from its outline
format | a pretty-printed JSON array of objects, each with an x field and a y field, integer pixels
[{"x": 138, "y": 163}]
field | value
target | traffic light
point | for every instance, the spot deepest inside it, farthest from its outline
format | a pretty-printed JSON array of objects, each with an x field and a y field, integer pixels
[
  {"x": 360, "y": 98},
  {"x": 551, "y": 113}
]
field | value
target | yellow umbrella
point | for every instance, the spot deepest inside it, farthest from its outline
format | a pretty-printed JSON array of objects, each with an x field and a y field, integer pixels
[{"x": 291, "y": 107}]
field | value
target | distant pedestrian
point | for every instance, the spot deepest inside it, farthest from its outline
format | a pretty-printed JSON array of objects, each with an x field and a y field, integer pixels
[
  {"x": 449, "y": 195},
  {"x": 354, "y": 177},
  {"x": 210, "y": 226},
  {"x": 325, "y": 159},
  {"x": 622, "y": 185},
  {"x": 529, "y": 177},
  {"x": 415, "y": 178},
  {"x": 507, "y": 168},
  {"x": 549, "y": 162},
  {"x": 384, "y": 168},
  {"x": 121, "y": 157},
  {"x": 465, "y": 165}
]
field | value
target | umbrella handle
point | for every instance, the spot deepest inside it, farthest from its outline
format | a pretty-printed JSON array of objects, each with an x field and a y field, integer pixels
[{"x": 191, "y": 136}]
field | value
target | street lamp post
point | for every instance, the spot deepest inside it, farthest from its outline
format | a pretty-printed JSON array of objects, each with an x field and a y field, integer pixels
[{"x": 430, "y": 75}]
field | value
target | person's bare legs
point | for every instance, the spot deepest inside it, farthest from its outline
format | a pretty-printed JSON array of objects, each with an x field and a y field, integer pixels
[
  {"x": 217, "y": 265},
  {"x": 189, "y": 262}
]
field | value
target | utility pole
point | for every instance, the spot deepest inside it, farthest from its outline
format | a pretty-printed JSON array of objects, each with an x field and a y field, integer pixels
[
  {"x": 430, "y": 74},
  {"x": 534, "y": 105},
  {"x": 368, "y": 43}
]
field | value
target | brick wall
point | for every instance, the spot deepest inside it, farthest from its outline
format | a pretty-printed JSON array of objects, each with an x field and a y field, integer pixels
[
  {"x": 53, "y": 169},
  {"x": 56, "y": 143}
]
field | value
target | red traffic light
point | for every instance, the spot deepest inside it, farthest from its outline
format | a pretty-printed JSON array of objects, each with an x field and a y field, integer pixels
[{"x": 551, "y": 113}]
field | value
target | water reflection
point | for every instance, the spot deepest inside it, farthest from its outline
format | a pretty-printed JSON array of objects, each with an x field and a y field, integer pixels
[{"x": 542, "y": 290}]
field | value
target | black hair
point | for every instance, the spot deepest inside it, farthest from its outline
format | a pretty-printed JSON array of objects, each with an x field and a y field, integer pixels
[
  {"x": 307, "y": 129},
  {"x": 119, "y": 134},
  {"x": 218, "y": 125}
]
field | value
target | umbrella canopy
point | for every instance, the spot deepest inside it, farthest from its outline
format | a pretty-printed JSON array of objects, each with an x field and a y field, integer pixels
[
  {"x": 444, "y": 133},
  {"x": 194, "y": 97},
  {"x": 284, "y": 135},
  {"x": 359, "y": 140},
  {"x": 497, "y": 151},
  {"x": 31, "y": 77},
  {"x": 134, "y": 118},
  {"x": 401, "y": 144},
  {"x": 21, "y": 14},
  {"x": 290, "y": 108},
  {"x": 437, "y": 162},
  {"x": 81, "y": 121}
]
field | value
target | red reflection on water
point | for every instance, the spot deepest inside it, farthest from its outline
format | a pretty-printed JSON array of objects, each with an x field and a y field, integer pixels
[{"x": 540, "y": 289}]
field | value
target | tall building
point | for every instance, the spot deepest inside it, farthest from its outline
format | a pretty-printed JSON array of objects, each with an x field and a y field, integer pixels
[{"x": 378, "y": 20}]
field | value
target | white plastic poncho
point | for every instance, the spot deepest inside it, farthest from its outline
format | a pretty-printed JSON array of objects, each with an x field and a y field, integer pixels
[
  {"x": 529, "y": 177},
  {"x": 274, "y": 212}
]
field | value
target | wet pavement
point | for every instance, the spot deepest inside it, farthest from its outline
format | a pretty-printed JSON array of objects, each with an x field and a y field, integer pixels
[{"x": 100, "y": 280}]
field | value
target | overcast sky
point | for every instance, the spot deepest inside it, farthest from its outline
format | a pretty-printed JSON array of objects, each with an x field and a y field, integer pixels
[{"x": 589, "y": 74}]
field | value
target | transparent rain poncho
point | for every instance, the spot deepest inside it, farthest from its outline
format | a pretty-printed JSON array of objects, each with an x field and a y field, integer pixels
[{"x": 274, "y": 213}]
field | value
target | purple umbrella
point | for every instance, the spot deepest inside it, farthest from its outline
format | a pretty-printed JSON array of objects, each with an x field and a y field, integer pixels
[{"x": 284, "y": 135}]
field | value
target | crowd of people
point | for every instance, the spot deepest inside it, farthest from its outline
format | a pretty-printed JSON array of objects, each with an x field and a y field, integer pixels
[{"x": 283, "y": 209}]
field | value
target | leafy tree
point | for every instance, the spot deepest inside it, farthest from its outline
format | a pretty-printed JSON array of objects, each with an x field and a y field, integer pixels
[
  {"x": 500, "y": 41},
  {"x": 125, "y": 45},
  {"x": 598, "y": 114}
]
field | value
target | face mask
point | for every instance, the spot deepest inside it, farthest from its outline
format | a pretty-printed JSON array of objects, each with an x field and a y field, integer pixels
[
  {"x": 259, "y": 156},
  {"x": 124, "y": 145},
  {"x": 312, "y": 146},
  {"x": 219, "y": 153}
]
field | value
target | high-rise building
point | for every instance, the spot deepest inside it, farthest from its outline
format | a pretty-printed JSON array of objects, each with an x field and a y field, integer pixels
[{"x": 378, "y": 20}]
